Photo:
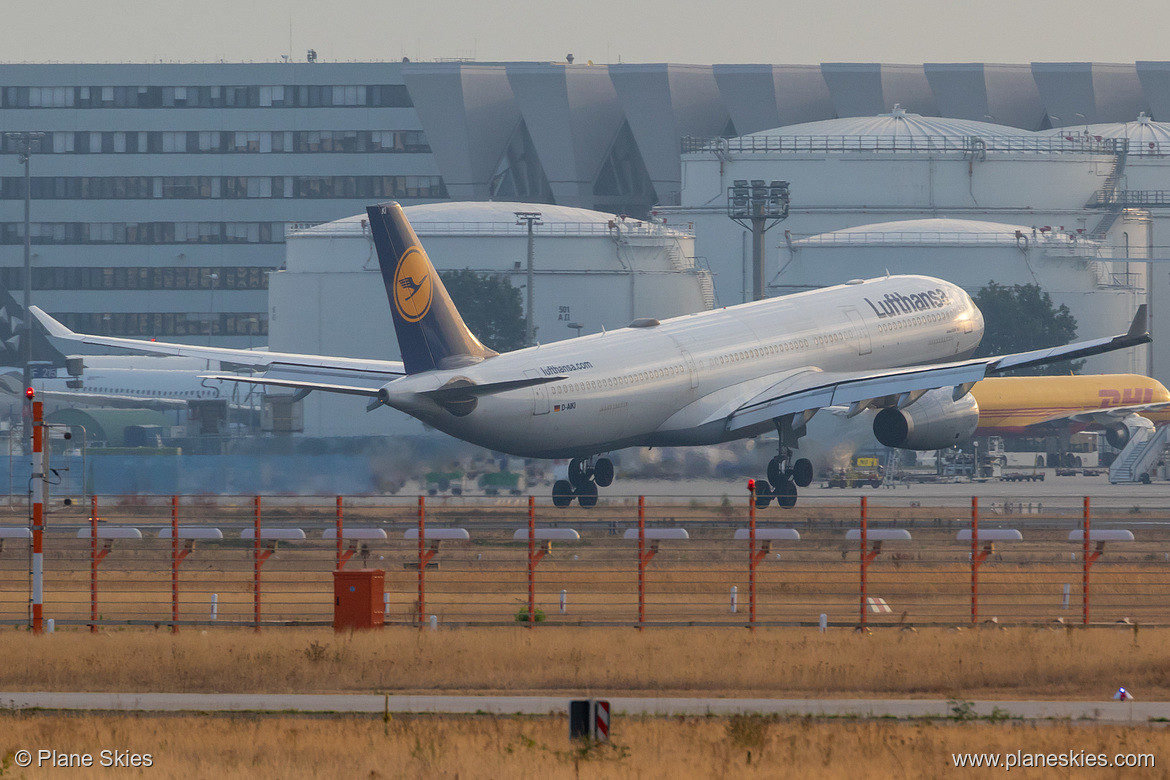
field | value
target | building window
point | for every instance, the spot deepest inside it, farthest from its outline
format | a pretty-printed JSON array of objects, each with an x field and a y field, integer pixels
[
  {"x": 251, "y": 96},
  {"x": 139, "y": 278},
  {"x": 216, "y": 187},
  {"x": 227, "y": 142}
]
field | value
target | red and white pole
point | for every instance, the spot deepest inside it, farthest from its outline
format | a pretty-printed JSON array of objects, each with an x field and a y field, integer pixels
[{"x": 38, "y": 515}]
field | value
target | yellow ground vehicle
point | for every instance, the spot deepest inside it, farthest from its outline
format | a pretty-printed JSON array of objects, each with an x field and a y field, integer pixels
[{"x": 864, "y": 471}]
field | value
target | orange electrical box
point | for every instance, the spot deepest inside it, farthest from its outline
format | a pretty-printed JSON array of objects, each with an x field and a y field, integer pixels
[{"x": 357, "y": 599}]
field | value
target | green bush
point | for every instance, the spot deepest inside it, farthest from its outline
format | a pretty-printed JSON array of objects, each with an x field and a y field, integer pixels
[{"x": 537, "y": 614}]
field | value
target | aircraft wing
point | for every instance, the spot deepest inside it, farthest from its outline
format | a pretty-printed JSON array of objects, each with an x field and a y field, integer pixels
[
  {"x": 1109, "y": 414},
  {"x": 285, "y": 369},
  {"x": 115, "y": 401},
  {"x": 812, "y": 390}
]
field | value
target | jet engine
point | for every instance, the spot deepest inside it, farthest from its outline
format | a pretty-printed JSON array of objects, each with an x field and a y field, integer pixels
[
  {"x": 1117, "y": 435},
  {"x": 933, "y": 422}
]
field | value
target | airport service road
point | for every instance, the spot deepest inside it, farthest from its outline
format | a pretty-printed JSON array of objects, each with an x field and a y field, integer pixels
[{"x": 1104, "y": 711}]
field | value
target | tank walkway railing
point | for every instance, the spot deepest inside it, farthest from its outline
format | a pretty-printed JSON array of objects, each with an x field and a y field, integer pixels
[
  {"x": 1130, "y": 199},
  {"x": 796, "y": 144},
  {"x": 628, "y": 228}
]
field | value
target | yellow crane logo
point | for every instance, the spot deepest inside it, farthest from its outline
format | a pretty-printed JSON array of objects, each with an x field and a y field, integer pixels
[{"x": 413, "y": 285}]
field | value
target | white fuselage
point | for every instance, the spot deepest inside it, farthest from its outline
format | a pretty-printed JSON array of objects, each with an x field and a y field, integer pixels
[
  {"x": 110, "y": 386},
  {"x": 657, "y": 385}
]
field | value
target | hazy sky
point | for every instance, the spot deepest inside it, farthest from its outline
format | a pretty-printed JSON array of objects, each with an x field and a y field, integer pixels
[{"x": 684, "y": 31}]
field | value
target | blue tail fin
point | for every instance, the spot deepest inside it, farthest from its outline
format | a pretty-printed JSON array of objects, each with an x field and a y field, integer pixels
[
  {"x": 431, "y": 334},
  {"x": 13, "y": 324}
]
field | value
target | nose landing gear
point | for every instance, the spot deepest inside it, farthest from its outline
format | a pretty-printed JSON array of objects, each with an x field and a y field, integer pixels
[{"x": 585, "y": 476}]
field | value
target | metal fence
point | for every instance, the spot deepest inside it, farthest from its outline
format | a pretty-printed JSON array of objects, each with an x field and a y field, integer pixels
[{"x": 632, "y": 562}]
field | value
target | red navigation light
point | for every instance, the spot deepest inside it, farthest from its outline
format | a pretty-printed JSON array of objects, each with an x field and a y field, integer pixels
[
  {"x": 751, "y": 486},
  {"x": 29, "y": 393}
]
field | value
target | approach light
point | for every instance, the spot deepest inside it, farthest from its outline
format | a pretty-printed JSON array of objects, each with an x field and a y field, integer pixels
[{"x": 29, "y": 393}]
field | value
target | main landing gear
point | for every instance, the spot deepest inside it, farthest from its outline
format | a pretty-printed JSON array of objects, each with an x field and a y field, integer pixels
[
  {"x": 785, "y": 475},
  {"x": 585, "y": 476}
]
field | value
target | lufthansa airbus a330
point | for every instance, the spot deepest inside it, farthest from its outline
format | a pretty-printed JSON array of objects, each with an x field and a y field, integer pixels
[{"x": 900, "y": 344}]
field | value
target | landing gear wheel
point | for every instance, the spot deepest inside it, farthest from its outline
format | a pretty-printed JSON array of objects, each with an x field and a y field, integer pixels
[
  {"x": 786, "y": 494},
  {"x": 775, "y": 471},
  {"x": 587, "y": 495},
  {"x": 562, "y": 493},
  {"x": 580, "y": 472},
  {"x": 802, "y": 472},
  {"x": 603, "y": 472},
  {"x": 763, "y": 493}
]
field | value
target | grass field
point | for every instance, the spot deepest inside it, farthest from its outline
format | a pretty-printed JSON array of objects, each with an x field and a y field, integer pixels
[
  {"x": 519, "y": 747},
  {"x": 1018, "y": 663}
]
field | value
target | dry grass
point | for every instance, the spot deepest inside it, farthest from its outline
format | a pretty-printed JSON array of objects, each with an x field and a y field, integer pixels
[
  {"x": 787, "y": 592},
  {"x": 780, "y": 663},
  {"x": 513, "y": 747}
]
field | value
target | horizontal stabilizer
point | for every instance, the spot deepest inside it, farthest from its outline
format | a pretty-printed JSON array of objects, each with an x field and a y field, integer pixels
[
  {"x": 326, "y": 387},
  {"x": 285, "y": 369},
  {"x": 450, "y": 392}
]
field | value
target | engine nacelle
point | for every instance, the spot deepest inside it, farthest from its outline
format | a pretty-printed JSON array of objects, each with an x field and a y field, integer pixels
[
  {"x": 1117, "y": 435},
  {"x": 933, "y": 422}
]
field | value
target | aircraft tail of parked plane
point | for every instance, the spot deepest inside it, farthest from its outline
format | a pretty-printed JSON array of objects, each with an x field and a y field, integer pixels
[
  {"x": 899, "y": 344},
  {"x": 12, "y": 321},
  {"x": 431, "y": 332}
]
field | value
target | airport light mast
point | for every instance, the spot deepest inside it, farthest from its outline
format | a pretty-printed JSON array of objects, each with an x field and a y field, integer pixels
[
  {"x": 531, "y": 218},
  {"x": 24, "y": 142},
  {"x": 758, "y": 206}
]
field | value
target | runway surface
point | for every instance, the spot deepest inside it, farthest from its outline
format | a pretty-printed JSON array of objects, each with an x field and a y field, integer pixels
[{"x": 1105, "y": 711}]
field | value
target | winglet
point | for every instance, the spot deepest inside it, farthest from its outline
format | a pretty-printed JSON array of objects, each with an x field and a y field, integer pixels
[
  {"x": 1138, "y": 327},
  {"x": 55, "y": 329}
]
